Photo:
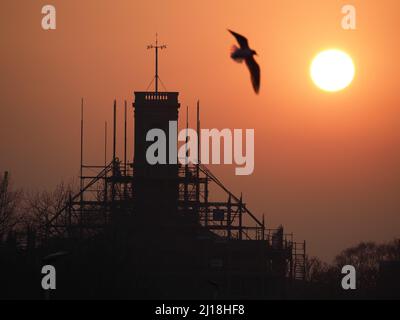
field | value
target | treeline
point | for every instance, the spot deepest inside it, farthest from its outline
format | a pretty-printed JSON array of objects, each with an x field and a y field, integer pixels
[
  {"x": 23, "y": 213},
  {"x": 377, "y": 271}
]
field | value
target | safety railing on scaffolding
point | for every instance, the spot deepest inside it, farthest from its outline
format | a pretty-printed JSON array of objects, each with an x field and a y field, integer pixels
[{"x": 232, "y": 219}]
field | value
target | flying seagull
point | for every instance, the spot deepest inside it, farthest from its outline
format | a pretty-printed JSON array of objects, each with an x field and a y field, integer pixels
[{"x": 245, "y": 53}]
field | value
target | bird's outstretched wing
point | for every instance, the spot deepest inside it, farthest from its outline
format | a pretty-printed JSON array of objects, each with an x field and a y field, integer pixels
[
  {"x": 240, "y": 39},
  {"x": 254, "y": 69}
]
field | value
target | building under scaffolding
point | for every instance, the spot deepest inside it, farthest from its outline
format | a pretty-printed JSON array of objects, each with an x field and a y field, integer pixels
[
  {"x": 226, "y": 245},
  {"x": 179, "y": 239}
]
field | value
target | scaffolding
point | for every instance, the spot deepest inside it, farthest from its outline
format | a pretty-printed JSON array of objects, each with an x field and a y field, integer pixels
[{"x": 107, "y": 193}]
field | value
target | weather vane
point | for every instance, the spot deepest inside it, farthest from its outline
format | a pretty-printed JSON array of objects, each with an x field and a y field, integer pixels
[{"x": 156, "y": 47}]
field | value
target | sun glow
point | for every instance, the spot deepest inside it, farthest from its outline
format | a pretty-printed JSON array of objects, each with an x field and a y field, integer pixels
[{"x": 332, "y": 70}]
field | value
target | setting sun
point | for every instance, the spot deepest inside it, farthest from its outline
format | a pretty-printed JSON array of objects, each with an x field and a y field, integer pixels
[{"x": 332, "y": 70}]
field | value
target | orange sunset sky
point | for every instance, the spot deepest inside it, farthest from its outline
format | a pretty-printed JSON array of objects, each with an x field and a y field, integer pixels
[{"x": 327, "y": 165}]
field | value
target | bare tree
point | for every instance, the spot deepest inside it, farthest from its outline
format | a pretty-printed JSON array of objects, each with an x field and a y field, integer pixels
[
  {"x": 41, "y": 207},
  {"x": 9, "y": 205},
  {"x": 391, "y": 250},
  {"x": 314, "y": 268},
  {"x": 320, "y": 272},
  {"x": 366, "y": 258}
]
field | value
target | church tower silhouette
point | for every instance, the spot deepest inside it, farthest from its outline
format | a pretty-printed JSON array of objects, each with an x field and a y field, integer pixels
[{"x": 155, "y": 186}]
